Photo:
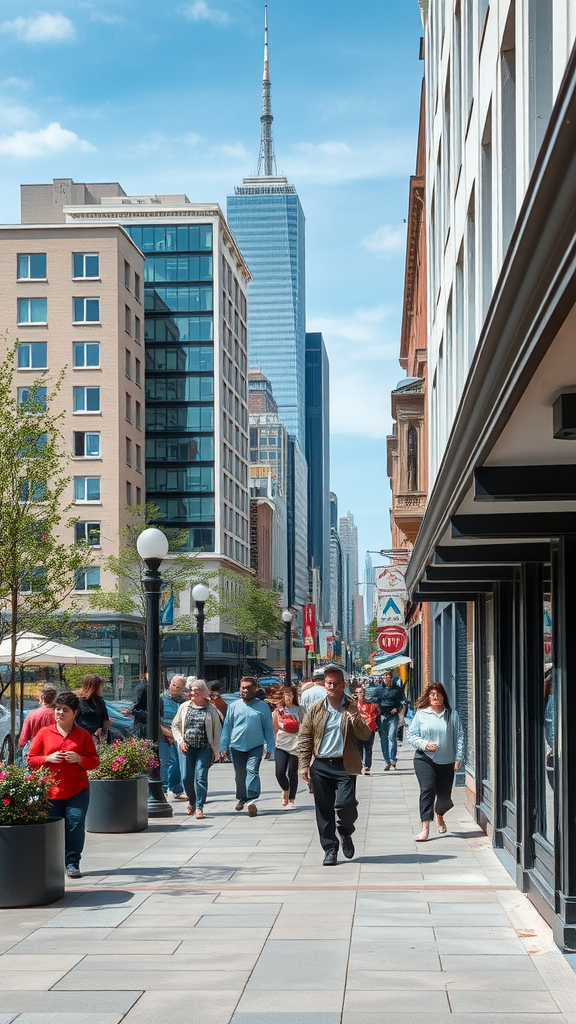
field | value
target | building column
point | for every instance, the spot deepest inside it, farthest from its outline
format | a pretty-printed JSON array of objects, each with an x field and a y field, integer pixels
[
  {"x": 564, "y": 646},
  {"x": 529, "y": 683}
]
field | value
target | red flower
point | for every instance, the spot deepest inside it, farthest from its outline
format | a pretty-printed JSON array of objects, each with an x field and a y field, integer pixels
[{"x": 6, "y": 801}]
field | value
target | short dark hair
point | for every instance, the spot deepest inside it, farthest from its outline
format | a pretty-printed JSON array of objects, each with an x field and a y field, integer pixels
[
  {"x": 249, "y": 679},
  {"x": 215, "y": 686},
  {"x": 333, "y": 670},
  {"x": 68, "y": 698}
]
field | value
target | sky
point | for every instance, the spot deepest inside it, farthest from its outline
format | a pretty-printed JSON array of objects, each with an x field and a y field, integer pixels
[{"x": 166, "y": 98}]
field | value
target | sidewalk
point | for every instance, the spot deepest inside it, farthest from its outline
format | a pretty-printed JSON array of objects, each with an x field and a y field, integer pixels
[{"x": 234, "y": 920}]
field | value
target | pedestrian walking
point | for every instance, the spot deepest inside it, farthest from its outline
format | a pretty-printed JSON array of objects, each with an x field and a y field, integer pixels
[
  {"x": 196, "y": 729},
  {"x": 69, "y": 753},
  {"x": 329, "y": 757},
  {"x": 93, "y": 713},
  {"x": 247, "y": 727},
  {"x": 390, "y": 699},
  {"x": 139, "y": 709},
  {"x": 437, "y": 734},
  {"x": 315, "y": 692},
  {"x": 170, "y": 774},
  {"x": 371, "y": 716},
  {"x": 37, "y": 719},
  {"x": 286, "y": 721},
  {"x": 217, "y": 700}
]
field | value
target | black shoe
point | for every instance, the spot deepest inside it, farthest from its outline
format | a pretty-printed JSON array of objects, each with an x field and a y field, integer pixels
[
  {"x": 330, "y": 858},
  {"x": 347, "y": 846},
  {"x": 73, "y": 871}
]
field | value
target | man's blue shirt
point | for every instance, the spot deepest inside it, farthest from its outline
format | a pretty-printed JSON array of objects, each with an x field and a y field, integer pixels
[{"x": 247, "y": 726}]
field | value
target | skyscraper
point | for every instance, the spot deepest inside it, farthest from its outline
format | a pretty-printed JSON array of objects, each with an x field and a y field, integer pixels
[
  {"x": 336, "y": 570},
  {"x": 318, "y": 459},
  {"x": 267, "y": 220},
  {"x": 348, "y": 534}
]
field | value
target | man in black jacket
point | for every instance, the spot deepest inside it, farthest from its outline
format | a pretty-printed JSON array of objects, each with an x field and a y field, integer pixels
[{"x": 389, "y": 699}]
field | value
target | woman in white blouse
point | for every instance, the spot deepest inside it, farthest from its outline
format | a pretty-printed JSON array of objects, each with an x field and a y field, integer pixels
[{"x": 437, "y": 734}]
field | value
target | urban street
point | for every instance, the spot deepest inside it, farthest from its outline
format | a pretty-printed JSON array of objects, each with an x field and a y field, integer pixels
[{"x": 233, "y": 920}]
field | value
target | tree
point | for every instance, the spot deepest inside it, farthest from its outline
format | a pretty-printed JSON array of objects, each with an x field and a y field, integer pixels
[
  {"x": 180, "y": 570},
  {"x": 252, "y": 611},
  {"x": 37, "y": 569}
]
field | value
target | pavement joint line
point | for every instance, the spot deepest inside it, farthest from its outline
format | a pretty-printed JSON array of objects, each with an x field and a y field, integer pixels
[{"x": 288, "y": 887}]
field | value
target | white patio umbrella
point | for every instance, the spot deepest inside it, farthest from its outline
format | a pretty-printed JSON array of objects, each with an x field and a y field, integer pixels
[
  {"x": 32, "y": 649},
  {"x": 390, "y": 661}
]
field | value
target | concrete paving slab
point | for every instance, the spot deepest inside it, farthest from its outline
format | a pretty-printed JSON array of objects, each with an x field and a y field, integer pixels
[
  {"x": 184, "y": 1006},
  {"x": 302, "y": 960},
  {"x": 116, "y": 980},
  {"x": 68, "y": 1018},
  {"x": 290, "y": 1001},
  {"x": 77, "y": 1003},
  {"x": 403, "y": 1000},
  {"x": 286, "y": 1018}
]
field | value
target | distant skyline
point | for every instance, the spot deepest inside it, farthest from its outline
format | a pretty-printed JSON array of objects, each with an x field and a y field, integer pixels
[{"x": 109, "y": 90}]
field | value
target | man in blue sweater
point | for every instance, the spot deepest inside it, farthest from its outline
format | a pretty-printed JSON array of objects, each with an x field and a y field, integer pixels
[{"x": 247, "y": 727}]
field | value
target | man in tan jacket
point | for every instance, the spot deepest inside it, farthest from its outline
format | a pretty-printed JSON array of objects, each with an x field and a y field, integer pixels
[{"x": 329, "y": 757}]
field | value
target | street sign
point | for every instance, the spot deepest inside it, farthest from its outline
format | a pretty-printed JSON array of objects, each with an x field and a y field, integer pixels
[
  {"x": 390, "y": 610},
  {"x": 391, "y": 580},
  {"x": 392, "y": 639}
]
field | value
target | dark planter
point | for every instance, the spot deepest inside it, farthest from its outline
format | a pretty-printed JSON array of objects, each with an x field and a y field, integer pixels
[
  {"x": 32, "y": 864},
  {"x": 118, "y": 805}
]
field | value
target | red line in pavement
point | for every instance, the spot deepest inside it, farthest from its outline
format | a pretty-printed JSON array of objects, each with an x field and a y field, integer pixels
[{"x": 293, "y": 888}]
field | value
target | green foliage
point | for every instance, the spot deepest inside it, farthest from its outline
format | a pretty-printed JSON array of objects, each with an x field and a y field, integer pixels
[
  {"x": 180, "y": 569},
  {"x": 23, "y": 795},
  {"x": 252, "y": 611},
  {"x": 37, "y": 569},
  {"x": 74, "y": 674},
  {"x": 125, "y": 759},
  {"x": 372, "y": 632}
]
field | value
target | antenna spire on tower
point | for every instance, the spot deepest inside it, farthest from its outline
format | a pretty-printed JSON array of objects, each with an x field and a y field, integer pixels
[{"x": 266, "y": 159}]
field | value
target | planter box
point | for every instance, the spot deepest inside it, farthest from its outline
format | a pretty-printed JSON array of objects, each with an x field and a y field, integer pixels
[
  {"x": 118, "y": 805},
  {"x": 32, "y": 864}
]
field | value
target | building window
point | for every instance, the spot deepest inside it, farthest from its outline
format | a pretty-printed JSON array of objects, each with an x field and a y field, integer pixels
[
  {"x": 138, "y": 416},
  {"x": 128, "y": 369},
  {"x": 32, "y": 267},
  {"x": 128, "y": 408},
  {"x": 138, "y": 495},
  {"x": 87, "y": 580},
  {"x": 87, "y": 533},
  {"x": 128, "y": 493},
  {"x": 137, "y": 286},
  {"x": 137, "y": 329},
  {"x": 128, "y": 452},
  {"x": 412, "y": 458},
  {"x": 86, "y": 444},
  {"x": 127, "y": 319},
  {"x": 34, "y": 398},
  {"x": 32, "y": 491},
  {"x": 85, "y": 264},
  {"x": 86, "y": 355},
  {"x": 138, "y": 373},
  {"x": 86, "y": 488},
  {"x": 32, "y": 311},
  {"x": 86, "y": 399},
  {"x": 138, "y": 459},
  {"x": 127, "y": 274},
  {"x": 33, "y": 356},
  {"x": 33, "y": 582},
  {"x": 86, "y": 311}
]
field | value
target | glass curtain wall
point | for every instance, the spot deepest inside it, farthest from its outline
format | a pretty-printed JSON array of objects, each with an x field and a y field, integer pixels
[{"x": 179, "y": 333}]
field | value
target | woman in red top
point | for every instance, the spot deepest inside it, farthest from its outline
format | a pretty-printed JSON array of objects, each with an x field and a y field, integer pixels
[{"x": 69, "y": 753}]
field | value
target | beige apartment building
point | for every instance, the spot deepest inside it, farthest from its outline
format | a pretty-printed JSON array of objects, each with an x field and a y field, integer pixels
[{"x": 72, "y": 295}]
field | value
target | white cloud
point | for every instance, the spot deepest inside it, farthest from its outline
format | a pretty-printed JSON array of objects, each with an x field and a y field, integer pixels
[
  {"x": 41, "y": 28},
  {"x": 386, "y": 240},
  {"x": 17, "y": 83},
  {"x": 334, "y": 162},
  {"x": 363, "y": 352},
  {"x": 200, "y": 11},
  {"x": 43, "y": 142},
  {"x": 16, "y": 117}
]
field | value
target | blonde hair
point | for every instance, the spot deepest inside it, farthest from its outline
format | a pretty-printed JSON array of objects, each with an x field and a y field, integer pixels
[{"x": 199, "y": 684}]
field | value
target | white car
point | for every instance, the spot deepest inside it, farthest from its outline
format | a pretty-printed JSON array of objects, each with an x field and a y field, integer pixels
[{"x": 4, "y": 732}]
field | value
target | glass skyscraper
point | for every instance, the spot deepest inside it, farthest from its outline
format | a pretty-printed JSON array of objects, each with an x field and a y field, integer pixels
[{"x": 318, "y": 459}]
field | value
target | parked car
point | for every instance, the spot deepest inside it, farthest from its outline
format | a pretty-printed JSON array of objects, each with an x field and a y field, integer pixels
[
  {"x": 4, "y": 732},
  {"x": 121, "y": 726}
]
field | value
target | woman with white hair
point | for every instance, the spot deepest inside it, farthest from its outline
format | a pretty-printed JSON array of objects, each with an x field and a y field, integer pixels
[{"x": 196, "y": 729}]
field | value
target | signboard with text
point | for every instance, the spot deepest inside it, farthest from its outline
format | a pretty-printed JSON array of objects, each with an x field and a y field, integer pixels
[
  {"x": 309, "y": 627},
  {"x": 391, "y": 580},
  {"x": 390, "y": 610}
]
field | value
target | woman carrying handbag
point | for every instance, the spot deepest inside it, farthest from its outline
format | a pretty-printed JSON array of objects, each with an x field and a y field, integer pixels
[{"x": 286, "y": 723}]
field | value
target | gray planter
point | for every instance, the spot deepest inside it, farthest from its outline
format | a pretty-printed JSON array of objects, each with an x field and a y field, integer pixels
[
  {"x": 32, "y": 864},
  {"x": 118, "y": 805}
]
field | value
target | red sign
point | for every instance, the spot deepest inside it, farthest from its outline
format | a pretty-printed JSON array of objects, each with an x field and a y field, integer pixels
[
  {"x": 309, "y": 627},
  {"x": 392, "y": 639}
]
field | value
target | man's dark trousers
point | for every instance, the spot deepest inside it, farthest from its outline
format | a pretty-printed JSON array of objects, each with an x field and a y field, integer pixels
[{"x": 335, "y": 799}]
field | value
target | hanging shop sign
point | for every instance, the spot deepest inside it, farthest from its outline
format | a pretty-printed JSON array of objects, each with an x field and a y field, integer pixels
[
  {"x": 392, "y": 639},
  {"x": 391, "y": 610},
  {"x": 391, "y": 580},
  {"x": 309, "y": 627}
]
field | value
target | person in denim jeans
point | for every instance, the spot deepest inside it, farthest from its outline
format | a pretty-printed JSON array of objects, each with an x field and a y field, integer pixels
[
  {"x": 390, "y": 699},
  {"x": 196, "y": 729},
  {"x": 170, "y": 775},
  {"x": 247, "y": 727}
]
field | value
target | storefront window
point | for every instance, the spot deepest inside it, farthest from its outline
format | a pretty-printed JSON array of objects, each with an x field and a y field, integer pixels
[{"x": 548, "y": 731}]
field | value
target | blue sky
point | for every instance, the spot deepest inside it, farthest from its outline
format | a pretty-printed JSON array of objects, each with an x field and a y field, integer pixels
[{"x": 166, "y": 98}]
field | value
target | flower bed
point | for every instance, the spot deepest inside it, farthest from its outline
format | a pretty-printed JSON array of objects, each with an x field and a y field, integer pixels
[
  {"x": 125, "y": 759},
  {"x": 23, "y": 795}
]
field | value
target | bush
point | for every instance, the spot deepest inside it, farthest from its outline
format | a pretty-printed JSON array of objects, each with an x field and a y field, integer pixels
[
  {"x": 125, "y": 759},
  {"x": 23, "y": 795},
  {"x": 74, "y": 674}
]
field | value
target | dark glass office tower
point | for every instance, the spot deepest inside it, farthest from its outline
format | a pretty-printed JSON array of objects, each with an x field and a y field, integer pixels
[{"x": 318, "y": 459}]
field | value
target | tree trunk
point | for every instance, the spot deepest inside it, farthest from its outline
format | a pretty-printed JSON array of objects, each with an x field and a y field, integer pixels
[{"x": 13, "y": 642}]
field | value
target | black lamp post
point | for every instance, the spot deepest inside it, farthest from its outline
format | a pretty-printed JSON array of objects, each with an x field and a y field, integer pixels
[
  {"x": 200, "y": 593},
  {"x": 287, "y": 620},
  {"x": 152, "y": 547}
]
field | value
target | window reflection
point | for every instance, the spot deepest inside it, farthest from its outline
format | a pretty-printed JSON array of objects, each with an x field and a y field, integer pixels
[{"x": 548, "y": 733}]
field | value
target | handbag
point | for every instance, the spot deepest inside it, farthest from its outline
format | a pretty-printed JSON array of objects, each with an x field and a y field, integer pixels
[
  {"x": 369, "y": 712},
  {"x": 288, "y": 723}
]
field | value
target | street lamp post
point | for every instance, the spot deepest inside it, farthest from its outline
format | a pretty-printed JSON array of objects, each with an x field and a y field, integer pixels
[
  {"x": 200, "y": 593},
  {"x": 152, "y": 547},
  {"x": 287, "y": 620}
]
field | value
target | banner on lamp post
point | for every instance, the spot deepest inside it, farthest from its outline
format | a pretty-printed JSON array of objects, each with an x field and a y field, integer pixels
[{"x": 309, "y": 627}]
